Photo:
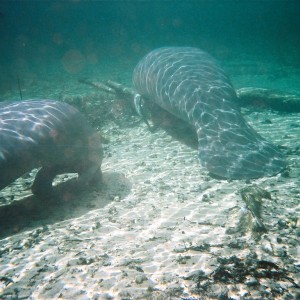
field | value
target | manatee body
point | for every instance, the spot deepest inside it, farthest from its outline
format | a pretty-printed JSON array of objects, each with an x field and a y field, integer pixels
[
  {"x": 188, "y": 83},
  {"x": 48, "y": 134}
]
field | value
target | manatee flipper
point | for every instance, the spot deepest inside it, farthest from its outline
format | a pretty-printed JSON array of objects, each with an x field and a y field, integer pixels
[{"x": 42, "y": 185}]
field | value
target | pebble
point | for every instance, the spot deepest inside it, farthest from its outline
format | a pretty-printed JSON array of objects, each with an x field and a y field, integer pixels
[
  {"x": 139, "y": 279},
  {"x": 252, "y": 281}
]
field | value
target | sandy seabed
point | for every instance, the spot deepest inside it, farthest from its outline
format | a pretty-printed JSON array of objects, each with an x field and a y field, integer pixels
[{"x": 160, "y": 228}]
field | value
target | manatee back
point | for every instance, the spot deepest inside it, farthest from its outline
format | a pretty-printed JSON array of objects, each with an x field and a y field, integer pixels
[{"x": 178, "y": 77}]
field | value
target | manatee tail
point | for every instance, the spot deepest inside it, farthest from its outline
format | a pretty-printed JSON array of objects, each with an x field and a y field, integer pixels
[{"x": 236, "y": 151}]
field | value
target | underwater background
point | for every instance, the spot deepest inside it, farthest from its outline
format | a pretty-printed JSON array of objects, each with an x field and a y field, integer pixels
[
  {"x": 56, "y": 41},
  {"x": 161, "y": 227}
]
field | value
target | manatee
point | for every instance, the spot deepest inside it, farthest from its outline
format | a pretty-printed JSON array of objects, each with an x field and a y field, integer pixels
[
  {"x": 189, "y": 83},
  {"x": 49, "y": 135}
]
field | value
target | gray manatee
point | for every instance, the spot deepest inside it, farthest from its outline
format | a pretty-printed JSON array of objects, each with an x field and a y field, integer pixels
[
  {"x": 188, "y": 83},
  {"x": 48, "y": 134}
]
